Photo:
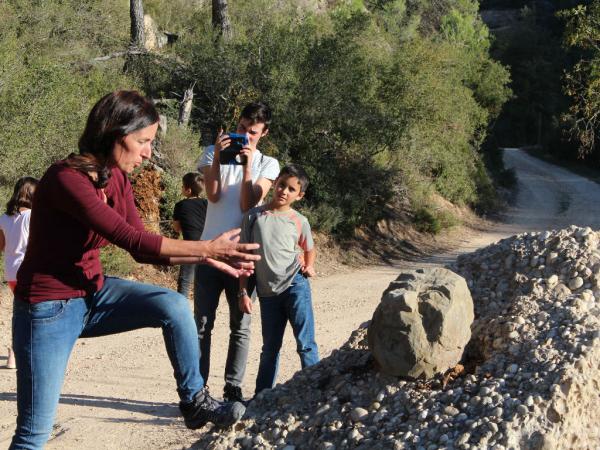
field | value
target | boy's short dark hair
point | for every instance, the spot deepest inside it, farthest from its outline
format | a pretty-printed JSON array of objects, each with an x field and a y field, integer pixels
[
  {"x": 194, "y": 182},
  {"x": 257, "y": 112},
  {"x": 295, "y": 170}
]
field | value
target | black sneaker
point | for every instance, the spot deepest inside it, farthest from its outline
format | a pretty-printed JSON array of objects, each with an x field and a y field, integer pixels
[
  {"x": 204, "y": 409},
  {"x": 233, "y": 393}
]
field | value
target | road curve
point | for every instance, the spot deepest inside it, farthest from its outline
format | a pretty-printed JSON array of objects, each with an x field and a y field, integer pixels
[{"x": 550, "y": 197}]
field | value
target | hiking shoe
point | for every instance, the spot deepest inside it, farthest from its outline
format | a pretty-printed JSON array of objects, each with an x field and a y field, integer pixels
[
  {"x": 233, "y": 393},
  {"x": 204, "y": 409}
]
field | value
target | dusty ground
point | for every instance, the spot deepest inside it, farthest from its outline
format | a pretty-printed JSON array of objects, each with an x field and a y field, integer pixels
[{"x": 119, "y": 390}]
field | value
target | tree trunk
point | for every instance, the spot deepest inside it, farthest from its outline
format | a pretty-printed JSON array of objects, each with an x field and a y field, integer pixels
[
  {"x": 136, "y": 12},
  {"x": 185, "y": 108},
  {"x": 220, "y": 19}
]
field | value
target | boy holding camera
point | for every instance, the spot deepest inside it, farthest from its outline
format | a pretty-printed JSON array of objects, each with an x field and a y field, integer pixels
[
  {"x": 287, "y": 259},
  {"x": 237, "y": 177}
]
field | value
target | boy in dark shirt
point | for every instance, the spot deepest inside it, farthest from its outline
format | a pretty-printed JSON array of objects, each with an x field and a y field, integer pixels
[{"x": 188, "y": 219}]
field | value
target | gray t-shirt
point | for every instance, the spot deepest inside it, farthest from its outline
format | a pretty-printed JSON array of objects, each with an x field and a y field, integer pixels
[{"x": 282, "y": 236}]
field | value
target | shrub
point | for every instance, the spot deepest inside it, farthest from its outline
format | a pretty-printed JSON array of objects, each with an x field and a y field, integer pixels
[
  {"x": 117, "y": 262},
  {"x": 431, "y": 220}
]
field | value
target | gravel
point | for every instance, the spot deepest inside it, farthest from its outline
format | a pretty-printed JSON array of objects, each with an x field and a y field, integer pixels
[{"x": 529, "y": 379}]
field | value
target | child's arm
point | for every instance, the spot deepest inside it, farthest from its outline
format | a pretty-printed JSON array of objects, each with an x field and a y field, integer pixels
[
  {"x": 177, "y": 227},
  {"x": 308, "y": 269},
  {"x": 244, "y": 300}
]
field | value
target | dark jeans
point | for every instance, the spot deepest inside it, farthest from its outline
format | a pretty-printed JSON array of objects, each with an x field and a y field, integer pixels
[
  {"x": 45, "y": 333},
  {"x": 208, "y": 286},
  {"x": 185, "y": 281},
  {"x": 293, "y": 305}
]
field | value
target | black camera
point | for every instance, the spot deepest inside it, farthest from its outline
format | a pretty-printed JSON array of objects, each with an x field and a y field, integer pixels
[{"x": 231, "y": 154}]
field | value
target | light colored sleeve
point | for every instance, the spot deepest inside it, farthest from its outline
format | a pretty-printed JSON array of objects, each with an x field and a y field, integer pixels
[
  {"x": 306, "y": 242},
  {"x": 207, "y": 157},
  {"x": 269, "y": 168},
  {"x": 26, "y": 221}
]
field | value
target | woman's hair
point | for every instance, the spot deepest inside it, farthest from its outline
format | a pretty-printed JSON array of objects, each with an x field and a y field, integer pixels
[
  {"x": 193, "y": 181},
  {"x": 114, "y": 116},
  {"x": 22, "y": 195}
]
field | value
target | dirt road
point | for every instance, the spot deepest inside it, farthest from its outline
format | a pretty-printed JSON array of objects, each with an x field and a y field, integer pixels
[{"x": 119, "y": 391}]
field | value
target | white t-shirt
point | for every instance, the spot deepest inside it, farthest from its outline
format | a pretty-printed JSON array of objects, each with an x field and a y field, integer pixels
[
  {"x": 226, "y": 213},
  {"x": 16, "y": 235}
]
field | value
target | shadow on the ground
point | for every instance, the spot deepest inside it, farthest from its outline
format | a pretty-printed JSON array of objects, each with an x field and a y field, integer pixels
[{"x": 159, "y": 410}]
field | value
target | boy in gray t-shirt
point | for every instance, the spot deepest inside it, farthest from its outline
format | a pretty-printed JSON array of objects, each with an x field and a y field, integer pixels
[{"x": 287, "y": 259}]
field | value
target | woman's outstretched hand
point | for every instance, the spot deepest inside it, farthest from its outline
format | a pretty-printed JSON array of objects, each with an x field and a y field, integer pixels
[{"x": 228, "y": 255}]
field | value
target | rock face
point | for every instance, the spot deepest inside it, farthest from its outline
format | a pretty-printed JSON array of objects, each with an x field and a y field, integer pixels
[
  {"x": 531, "y": 384},
  {"x": 422, "y": 324}
]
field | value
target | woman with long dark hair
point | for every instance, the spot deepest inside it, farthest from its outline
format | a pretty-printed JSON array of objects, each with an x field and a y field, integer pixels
[
  {"x": 14, "y": 234},
  {"x": 81, "y": 204}
]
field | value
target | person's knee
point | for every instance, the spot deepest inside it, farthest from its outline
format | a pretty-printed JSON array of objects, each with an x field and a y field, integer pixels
[
  {"x": 175, "y": 307},
  {"x": 178, "y": 302}
]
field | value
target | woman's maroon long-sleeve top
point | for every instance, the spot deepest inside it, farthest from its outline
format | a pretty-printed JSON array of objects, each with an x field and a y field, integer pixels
[{"x": 70, "y": 222}]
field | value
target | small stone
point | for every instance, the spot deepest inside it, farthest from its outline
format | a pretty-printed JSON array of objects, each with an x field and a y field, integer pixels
[
  {"x": 358, "y": 413},
  {"x": 463, "y": 438},
  {"x": 355, "y": 435},
  {"x": 484, "y": 391},
  {"x": 522, "y": 410},
  {"x": 513, "y": 368},
  {"x": 551, "y": 258},
  {"x": 451, "y": 411},
  {"x": 552, "y": 280},
  {"x": 575, "y": 283},
  {"x": 497, "y": 412}
]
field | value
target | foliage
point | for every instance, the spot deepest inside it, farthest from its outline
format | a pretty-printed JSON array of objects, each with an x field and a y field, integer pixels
[
  {"x": 47, "y": 83},
  {"x": 116, "y": 261},
  {"x": 583, "y": 81},
  {"x": 541, "y": 112},
  {"x": 376, "y": 98},
  {"x": 433, "y": 220},
  {"x": 366, "y": 96}
]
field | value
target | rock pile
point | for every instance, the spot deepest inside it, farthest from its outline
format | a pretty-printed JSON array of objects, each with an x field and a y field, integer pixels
[
  {"x": 532, "y": 368},
  {"x": 422, "y": 323}
]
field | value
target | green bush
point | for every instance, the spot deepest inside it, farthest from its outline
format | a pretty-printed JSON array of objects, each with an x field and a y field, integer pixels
[
  {"x": 372, "y": 98},
  {"x": 117, "y": 262},
  {"x": 431, "y": 220}
]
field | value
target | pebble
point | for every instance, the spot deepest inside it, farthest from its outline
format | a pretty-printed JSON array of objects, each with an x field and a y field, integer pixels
[
  {"x": 358, "y": 413},
  {"x": 575, "y": 283},
  {"x": 497, "y": 412},
  {"x": 451, "y": 411}
]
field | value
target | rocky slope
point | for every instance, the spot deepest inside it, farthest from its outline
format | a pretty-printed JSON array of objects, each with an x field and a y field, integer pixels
[{"x": 529, "y": 379}]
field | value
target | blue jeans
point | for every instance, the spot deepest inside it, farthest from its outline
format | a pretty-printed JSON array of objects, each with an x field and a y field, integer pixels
[
  {"x": 45, "y": 333},
  {"x": 185, "y": 281},
  {"x": 208, "y": 286},
  {"x": 293, "y": 305}
]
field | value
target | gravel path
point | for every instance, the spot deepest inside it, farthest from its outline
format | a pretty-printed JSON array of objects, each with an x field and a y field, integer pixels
[{"x": 119, "y": 391}]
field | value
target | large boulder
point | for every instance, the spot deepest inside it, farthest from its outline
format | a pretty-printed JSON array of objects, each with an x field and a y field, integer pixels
[{"x": 422, "y": 324}]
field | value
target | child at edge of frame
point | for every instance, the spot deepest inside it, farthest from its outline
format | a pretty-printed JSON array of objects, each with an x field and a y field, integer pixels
[{"x": 287, "y": 260}]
